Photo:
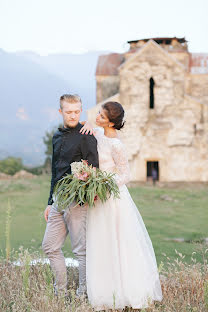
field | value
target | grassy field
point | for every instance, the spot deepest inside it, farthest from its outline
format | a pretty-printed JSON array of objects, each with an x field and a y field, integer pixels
[
  {"x": 30, "y": 288},
  {"x": 184, "y": 215}
]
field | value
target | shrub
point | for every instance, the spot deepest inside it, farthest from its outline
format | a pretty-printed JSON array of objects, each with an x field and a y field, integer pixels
[{"x": 11, "y": 165}]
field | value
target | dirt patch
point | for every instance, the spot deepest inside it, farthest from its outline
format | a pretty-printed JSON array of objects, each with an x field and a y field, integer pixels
[
  {"x": 4, "y": 176},
  {"x": 23, "y": 174}
]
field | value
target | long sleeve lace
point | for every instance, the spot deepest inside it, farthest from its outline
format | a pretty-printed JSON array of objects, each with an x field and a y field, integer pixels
[{"x": 121, "y": 161}]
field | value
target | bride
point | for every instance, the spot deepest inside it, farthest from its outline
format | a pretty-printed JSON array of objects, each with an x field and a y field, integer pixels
[{"x": 121, "y": 267}]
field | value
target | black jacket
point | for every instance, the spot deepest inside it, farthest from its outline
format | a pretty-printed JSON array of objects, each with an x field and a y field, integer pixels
[{"x": 70, "y": 145}]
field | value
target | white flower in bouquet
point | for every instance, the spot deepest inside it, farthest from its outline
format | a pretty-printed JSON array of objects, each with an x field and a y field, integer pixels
[{"x": 77, "y": 167}]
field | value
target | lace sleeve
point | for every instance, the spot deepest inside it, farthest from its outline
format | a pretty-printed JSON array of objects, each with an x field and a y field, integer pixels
[{"x": 120, "y": 158}]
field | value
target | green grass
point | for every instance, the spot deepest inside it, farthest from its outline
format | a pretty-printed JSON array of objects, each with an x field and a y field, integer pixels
[{"x": 186, "y": 216}]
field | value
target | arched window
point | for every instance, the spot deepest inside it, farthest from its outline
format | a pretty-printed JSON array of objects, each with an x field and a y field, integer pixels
[{"x": 151, "y": 101}]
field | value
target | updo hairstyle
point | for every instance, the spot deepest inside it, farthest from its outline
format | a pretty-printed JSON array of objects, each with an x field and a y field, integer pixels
[{"x": 115, "y": 114}]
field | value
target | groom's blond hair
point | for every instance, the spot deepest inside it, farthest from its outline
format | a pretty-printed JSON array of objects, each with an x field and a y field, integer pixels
[{"x": 70, "y": 98}]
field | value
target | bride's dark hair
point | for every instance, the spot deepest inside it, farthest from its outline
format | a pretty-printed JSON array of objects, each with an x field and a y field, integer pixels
[{"x": 115, "y": 114}]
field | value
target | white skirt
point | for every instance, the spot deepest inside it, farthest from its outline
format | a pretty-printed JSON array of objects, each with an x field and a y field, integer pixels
[{"x": 121, "y": 266}]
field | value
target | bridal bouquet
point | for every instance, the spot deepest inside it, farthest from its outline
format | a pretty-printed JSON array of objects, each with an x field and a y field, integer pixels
[{"x": 85, "y": 185}]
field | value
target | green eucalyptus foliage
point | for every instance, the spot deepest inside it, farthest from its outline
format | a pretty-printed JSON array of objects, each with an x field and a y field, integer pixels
[{"x": 70, "y": 189}]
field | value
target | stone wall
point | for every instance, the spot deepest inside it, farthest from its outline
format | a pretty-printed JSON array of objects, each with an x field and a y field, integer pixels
[
  {"x": 107, "y": 86},
  {"x": 182, "y": 57},
  {"x": 134, "y": 93},
  {"x": 198, "y": 87},
  {"x": 175, "y": 131}
]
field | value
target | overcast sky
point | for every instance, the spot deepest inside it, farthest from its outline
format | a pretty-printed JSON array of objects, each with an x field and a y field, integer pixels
[{"x": 77, "y": 26}]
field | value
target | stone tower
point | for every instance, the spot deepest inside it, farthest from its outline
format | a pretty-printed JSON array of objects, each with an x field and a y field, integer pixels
[{"x": 164, "y": 91}]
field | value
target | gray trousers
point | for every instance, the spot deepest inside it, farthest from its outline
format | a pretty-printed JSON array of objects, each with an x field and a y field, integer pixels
[{"x": 73, "y": 221}]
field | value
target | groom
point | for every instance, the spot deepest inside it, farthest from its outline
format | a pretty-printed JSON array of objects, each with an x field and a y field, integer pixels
[{"x": 69, "y": 145}]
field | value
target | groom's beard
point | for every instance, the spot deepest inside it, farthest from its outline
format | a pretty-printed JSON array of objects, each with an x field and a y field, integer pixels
[{"x": 71, "y": 124}]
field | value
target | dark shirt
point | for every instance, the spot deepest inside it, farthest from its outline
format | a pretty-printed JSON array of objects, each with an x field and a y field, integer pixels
[{"x": 70, "y": 145}]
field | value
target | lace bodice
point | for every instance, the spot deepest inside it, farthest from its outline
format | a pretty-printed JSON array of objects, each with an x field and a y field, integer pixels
[{"x": 112, "y": 156}]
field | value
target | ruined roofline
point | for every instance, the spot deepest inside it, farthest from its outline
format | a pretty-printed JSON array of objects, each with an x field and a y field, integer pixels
[
  {"x": 161, "y": 40},
  {"x": 144, "y": 47},
  {"x": 109, "y": 64}
]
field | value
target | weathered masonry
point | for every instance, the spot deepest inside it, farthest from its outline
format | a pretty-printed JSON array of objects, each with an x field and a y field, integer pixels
[{"x": 164, "y": 91}]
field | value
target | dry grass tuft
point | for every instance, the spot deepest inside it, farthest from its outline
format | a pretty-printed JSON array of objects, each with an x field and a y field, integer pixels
[{"x": 30, "y": 287}]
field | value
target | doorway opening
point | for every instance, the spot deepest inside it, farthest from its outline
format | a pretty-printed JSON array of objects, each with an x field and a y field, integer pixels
[{"x": 153, "y": 170}]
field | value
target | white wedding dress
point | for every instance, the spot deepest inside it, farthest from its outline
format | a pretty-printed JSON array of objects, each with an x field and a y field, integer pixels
[{"x": 121, "y": 266}]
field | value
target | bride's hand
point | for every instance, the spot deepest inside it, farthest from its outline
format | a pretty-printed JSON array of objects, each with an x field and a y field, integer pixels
[{"x": 87, "y": 128}]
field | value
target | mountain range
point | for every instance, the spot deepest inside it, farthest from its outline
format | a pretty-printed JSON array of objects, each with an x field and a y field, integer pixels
[{"x": 30, "y": 88}]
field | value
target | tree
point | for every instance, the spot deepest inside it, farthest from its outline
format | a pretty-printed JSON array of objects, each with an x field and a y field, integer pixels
[
  {"x": 11, "y": 165},
  {"x": 47, "y": 140}
]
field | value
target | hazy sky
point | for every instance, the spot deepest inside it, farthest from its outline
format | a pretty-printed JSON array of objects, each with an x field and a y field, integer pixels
[{"x": 76, "y": 26}]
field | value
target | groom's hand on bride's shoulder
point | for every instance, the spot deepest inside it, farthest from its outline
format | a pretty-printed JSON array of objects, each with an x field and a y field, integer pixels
[{"x": 46, "y": 212}]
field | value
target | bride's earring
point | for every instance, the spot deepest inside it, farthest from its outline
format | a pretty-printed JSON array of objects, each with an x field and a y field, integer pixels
[{"x": 109, "y": 126}]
